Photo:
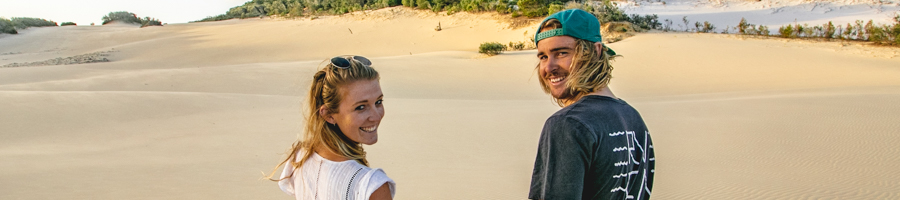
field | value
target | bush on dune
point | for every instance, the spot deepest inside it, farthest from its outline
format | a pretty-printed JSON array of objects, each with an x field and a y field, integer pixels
[
  {"x": 130, "y": 18},
  {"x": 6, "y": 26},
  {"x": 10, "y": 26},
  {"x": 121, "y": 16},
  {"x": 25, "y": 22},
  {"x": 491, "y": 48},
  {"x": 68, "y": 24}
]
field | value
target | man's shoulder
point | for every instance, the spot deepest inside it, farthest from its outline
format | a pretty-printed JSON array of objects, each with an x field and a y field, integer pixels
[{"x": 597, "y": 113}]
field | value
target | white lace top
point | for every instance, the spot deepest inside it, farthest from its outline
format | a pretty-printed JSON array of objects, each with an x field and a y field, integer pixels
[{"x": 320, "y": 178}]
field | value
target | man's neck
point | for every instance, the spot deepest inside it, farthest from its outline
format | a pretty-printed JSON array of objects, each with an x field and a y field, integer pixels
[{"x": 604, "y": 91}]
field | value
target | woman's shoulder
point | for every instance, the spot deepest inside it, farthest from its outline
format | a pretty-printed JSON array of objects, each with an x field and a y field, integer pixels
[{"x": 373, "y": 179}]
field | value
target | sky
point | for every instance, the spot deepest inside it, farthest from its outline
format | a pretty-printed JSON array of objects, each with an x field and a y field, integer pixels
[{"x": 85, "y": 12}]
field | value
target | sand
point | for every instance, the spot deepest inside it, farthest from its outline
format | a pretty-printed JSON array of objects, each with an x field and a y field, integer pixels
[{"x": 198, "y": 111}]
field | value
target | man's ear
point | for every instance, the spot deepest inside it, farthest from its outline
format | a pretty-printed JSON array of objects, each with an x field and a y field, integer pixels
[
  {"x": 599, "y": 46},
  {"x": 324, "y": 113}
]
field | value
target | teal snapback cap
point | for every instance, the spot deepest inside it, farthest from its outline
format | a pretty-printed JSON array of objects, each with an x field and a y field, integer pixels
[{"x": 576, "y": 23}]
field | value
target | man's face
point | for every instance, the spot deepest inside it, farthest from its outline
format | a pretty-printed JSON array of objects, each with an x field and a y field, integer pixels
[{"x": 555, "y": 54}]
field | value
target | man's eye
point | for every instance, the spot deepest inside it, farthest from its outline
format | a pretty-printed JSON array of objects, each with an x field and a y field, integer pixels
[
  {"x": 360, "y": 108},
  {"x": 379, "y": 102}
]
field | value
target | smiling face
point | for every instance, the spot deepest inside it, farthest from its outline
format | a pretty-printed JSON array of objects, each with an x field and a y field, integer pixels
[
  {"x": 556, "y": 55},
  {"x": 360, "y": 111}
]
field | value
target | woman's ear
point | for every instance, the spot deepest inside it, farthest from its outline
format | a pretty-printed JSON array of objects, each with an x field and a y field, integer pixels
[
  {"x": 324, "y": 113},
  {"x": 599, "y": 46}
]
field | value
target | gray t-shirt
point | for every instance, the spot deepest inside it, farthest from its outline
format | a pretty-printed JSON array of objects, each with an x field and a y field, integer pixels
[{"x": 596, "y": 148}]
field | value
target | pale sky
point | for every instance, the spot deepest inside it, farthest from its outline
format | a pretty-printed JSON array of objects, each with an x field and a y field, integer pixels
[{"x": 85, "y": 12}]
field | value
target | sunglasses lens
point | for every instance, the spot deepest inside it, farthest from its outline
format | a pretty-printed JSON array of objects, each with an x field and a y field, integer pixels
[
  {"x": 340, "y": 62},
  {"x": 363, "y": 60}
]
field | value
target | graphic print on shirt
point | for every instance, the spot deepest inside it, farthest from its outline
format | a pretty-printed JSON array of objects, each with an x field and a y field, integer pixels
[{"x": 637, "y": 162}]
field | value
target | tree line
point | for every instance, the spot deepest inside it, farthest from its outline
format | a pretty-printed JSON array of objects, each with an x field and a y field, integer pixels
[
  {"x": 882, "y": 34},
  {"x": 604, "y": 10}
]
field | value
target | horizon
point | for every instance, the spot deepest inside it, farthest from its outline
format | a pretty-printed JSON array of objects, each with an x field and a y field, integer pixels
[{"x": 91, "y": 11}]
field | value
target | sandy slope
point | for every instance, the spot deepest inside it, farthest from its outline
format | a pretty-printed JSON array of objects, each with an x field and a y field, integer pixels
[{"x": 193, "y": 111}]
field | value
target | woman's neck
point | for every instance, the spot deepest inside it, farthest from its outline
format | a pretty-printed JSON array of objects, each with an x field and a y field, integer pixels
[{"x": 328, "y": 154}]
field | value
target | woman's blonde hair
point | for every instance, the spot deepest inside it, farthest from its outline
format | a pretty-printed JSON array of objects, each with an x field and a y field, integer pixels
[
  {"x": 326, "y": 91},
  {"x": 588, "y": 72}
]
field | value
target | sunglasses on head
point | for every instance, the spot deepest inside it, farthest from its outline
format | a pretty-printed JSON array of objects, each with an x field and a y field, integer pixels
[{"x": 344, "y": 63}]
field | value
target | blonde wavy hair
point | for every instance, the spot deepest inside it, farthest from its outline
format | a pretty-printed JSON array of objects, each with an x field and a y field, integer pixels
[
  {"x": 588, "y": 72},
  {"x": 326, "y": 91}
]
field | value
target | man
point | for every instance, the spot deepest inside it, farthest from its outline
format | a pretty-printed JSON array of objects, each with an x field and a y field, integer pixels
[{"x": 597, "y": 146}]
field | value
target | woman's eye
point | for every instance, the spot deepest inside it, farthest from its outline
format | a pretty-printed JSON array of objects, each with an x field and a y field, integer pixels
[
  {"x": 379, "y": 102},
  {"x": 360, "y": 108}
]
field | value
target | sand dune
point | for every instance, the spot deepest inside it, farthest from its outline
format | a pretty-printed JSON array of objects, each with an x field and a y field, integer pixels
[{"x": 197, "y": 111}]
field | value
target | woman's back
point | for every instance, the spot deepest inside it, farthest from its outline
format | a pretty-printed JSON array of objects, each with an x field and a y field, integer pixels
[{"x": 320, "y": 178}]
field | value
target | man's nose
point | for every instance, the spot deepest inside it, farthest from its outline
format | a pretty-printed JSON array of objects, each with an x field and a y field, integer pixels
[{"x": 550, "y": 65}]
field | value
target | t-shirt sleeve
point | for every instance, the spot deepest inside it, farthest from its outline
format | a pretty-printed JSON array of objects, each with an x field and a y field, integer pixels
[
  {"x": 562, "y": 159},
  {"x": 287, "y": 184},
  {"x": 372, "y": 180}
]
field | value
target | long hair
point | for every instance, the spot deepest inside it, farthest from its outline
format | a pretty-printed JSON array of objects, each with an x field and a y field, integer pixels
[
  {"x": 326, "y": 91},
  {"x": 588, "y": 72}
]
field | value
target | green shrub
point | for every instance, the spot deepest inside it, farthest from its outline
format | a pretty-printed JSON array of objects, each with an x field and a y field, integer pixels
[
  {"x": 6, "y": 26},
  {"x": 742, "y": 26},
  {"x": 829, "y": 30},
  {"x": 607, "y": 12},
  {"x": 704, "y": 27},
  {"x": 423, "y": 4},
  {"x": 121, "y": 16},
  {"x": 860, "y": 31},
  {"x": 491, "y": 48},
  {"x": 554, "y": 8},
  {"x": 848, "y": 31},
  {"x": 147, "y": 21},
  {"x": 68, "y": 24},
  {"x": 533, "y": 8},
  {"x": 130, "y": 18},
  {"x": 645, "y": 22},
  {"x": 786, "y": 31},
  {"x": 25, "y": 22},
  {"x": 517, "y": 46},
  {"x": 215, "y": 18},
  {"x": 763, "y": 30}
]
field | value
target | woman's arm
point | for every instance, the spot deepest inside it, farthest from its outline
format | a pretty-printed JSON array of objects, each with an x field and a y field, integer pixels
[{"x": 382, "y": 193}]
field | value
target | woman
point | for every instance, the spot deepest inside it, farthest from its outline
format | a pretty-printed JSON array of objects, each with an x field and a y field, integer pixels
[{"x": 345, "y": 102}]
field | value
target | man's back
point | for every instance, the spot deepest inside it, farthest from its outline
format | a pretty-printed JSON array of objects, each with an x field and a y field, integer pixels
[{"x": 595, "y": 148}]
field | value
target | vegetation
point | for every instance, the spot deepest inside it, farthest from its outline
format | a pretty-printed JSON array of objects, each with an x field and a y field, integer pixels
[
  {"x": 491, "y": 48},
  {"x": 516, "y": 46},
  {"x": 604, "y": 10},
  {"x": 704, "y": 27},
  {"x": 131, "y": 18},
  {"x": 25, "y": 22},
  {"x": 68, "y": 24},
  {"x": 10, "y": 26},
  {"x": 888, "y": 34},
  {"x": 6, "y": 26}
]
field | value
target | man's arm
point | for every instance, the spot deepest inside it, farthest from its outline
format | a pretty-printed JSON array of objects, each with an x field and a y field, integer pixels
[{"x": 562, "y": 159}]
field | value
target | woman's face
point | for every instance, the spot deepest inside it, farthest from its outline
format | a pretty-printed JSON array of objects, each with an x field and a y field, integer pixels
[{"x": 360, "y": 111}]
